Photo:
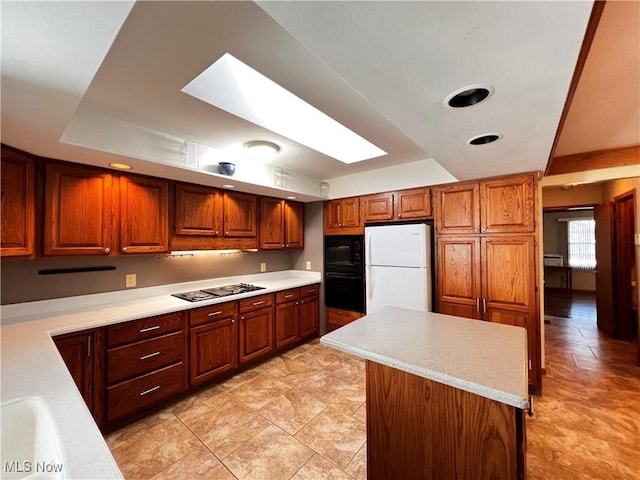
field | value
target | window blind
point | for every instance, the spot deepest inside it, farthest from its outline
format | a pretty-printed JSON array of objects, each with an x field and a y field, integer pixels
[{"x": 582, "y": 244}]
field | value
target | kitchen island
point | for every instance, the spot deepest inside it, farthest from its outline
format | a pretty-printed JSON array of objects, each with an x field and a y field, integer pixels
[{"x": 445, "y": 395}]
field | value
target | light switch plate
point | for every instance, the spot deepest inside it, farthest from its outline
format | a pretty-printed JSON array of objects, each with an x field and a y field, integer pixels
[
  {"x": 308, "y": 265},
  {"x": 263, "y": 267},
  {"x": 130, "y": 280}
]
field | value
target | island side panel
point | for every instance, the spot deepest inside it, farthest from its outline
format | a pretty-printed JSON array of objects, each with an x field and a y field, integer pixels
[{"x": 418, "y": 428}]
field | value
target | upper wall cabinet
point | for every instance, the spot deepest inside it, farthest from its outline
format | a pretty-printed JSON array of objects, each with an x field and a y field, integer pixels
[
  {"x": 494, "y": 206},
  {"x": 413, "y": 204},
  {"x": 198, "y": 211},
  {"x": 80, "y": 216},
  {"x": 240, "y": 213},
  {"x": 342, "y": 217},
  {"x": 378, "y": 207},
  {"x": 281, "y": 224},
  {"x": 17, "y": 205},
  {"x": 144, "y": 215}
]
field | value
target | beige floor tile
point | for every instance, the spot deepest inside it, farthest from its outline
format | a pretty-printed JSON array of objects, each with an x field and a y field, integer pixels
[
  {"x": 334, "y": 435},
  {"x": 200, "y": 463},
  {"x": 259, "y": 390},
  {"x": 361, "y": 413},
  {"x": 357, "y": 467},
  {"x": 319, "y": 468},
  {"x": 162, "y": 445},
  {"x": 292, "y": 410},
  {"x": 270, "y": 455},
  {"x": 139, "y": 429}
]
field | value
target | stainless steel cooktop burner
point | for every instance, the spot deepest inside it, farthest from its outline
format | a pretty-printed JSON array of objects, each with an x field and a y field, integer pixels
[{"x": 216, "y": 292}]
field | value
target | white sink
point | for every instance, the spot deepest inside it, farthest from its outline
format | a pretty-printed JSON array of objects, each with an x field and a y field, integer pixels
[{"x": 29, "y": 446}]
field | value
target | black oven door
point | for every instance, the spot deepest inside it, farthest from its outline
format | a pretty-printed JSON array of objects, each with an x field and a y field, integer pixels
[{"x": 344, "y": 291}]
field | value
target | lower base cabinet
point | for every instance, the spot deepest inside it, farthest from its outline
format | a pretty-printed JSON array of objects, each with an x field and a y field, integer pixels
[
  {"x": 297, "y": 314},
  {"x": 336, "y": 318},
  {"x": 255, "y": 327}
]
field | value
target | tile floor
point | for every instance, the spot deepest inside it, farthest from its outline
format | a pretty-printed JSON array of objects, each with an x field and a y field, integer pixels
[{"x": 301, "y": 415}]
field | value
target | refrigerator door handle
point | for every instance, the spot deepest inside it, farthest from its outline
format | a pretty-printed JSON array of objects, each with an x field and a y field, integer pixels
[{"x": 369, "y": 282}]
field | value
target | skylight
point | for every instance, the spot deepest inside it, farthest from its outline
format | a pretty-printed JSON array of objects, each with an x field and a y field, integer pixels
[{"x": 238, "y": 89}]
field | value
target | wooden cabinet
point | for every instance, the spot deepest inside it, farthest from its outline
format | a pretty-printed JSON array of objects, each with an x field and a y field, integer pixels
[
  {"x": 281, "y": 224},
  {"x": 83, "y": 354},
  {"x": 342, "y": 217},
  {"x": 240, "y": 213},
  {"x": 144, "y": 215},
  {"x": 80, "y": 211},
  {"x": 17, "y": 205},
  {"x": 297, "y": 314},
  {"x": 213, "y": 340},
  {"x": 256, "y": 327},
  {"x": 411, "y": 204},
  {"x": 505, "y": 205},
  {"x": 336, "y": 318},
  {"x": 146, "y": 364},
  {"x": 198, "y": 211}
]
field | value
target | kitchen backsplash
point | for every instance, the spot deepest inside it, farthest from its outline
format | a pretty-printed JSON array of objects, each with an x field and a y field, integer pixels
[{"x": 22, "y": 282}]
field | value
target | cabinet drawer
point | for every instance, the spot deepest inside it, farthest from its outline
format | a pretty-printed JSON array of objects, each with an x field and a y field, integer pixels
[
  {"x": 287, "y": 295},
  {"x": 130, "y": 396},
  {"x": 336, "y": 318},
  {"x": 142, "y": 329},
  {"x": 254, "y": 303},
  {"x": 212, "y": 313},
  {"x": 310, "y": 290},
  {"x": 144, "y": 356}
]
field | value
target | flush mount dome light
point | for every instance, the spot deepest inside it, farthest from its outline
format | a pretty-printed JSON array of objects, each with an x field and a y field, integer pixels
[
  {"x": 261, "y": 150},
  {"x": 121, "y": 166},
  {"x": 468, "y": 96},
  {"x": 484, "y": 139}
]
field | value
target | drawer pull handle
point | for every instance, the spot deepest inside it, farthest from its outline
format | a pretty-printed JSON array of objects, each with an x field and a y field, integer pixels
[
  {"x": 152, "y": 389},
  {"x": 288, "y": 296},
  {"x": 258, "y": 303},
  {"x": 149, "y": 329},
  {"x": 144, "y": 357},
  {"x": 213, "y": 314}
]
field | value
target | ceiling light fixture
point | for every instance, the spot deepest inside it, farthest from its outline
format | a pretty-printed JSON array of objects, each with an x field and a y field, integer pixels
[
  {"x": 484, "y": 139},
  {"x": 261, "y": 150},
  {"x": 291, "y": 197},
  {"x": 468, "y": 96},
  {"x": 228, "y": 185},
  {"x": 121, "y": 166}
]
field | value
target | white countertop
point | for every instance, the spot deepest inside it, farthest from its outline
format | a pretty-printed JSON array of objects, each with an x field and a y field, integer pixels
[
  {"x": 32, "y": 367},
  {"x": 484, "y": 358}
]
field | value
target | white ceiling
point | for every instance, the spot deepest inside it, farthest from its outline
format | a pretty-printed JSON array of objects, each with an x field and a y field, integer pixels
[{"x": 100, "y": 81}]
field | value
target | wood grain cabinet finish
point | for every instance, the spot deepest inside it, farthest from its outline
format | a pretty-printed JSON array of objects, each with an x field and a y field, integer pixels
[
  {"x": 80, "y": 211},
  {"x": 144, "y": 215},
  {"x": 309, "y": 315},
  {"x": 77, "y": 350},
  {"x": 17, "y": 205},
  {"x": 336, "y": 318},
  {"x": 240, "y": 215},
  {"x": 413, "y": 204},
  {"x": 457, "y": 208},
  {"x": 255, "y": 327},
  {"x": 378, "y": 207},
  {"x": 213, "y": 340},
  {"x": 281, "y": 224},
  {"x": 287, "y": 328},
  {"x": 508, "y": 205},
  {"x": 297, "y": 314},
  {"x": 342, "y": 217},
  {"x": 198, "y": 211}
]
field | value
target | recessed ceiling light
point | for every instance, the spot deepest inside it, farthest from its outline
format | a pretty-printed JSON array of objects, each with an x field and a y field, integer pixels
[
  {"x": 468, "y": 96},
  {"x": 261, "y": 150},
  {"x": 484, "y": 139},
  {"x": 235, "y": 87},
  {"x": 291, "y": 198},
  {"x": 228, "y": 185},
  {"x": 121, "y": 166}
]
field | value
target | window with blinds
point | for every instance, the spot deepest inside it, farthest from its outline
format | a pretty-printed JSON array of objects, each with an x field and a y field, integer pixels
[{"x": 581, "y": 236}]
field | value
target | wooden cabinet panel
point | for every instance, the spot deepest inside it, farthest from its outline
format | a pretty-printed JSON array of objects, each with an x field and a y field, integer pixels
[
  {"x": 508, "y": 205},
  {"x": 199, "y": 316},
  {"x": 77, "y": 352},
  {"x": 294, "y": 225},
  {"x": 254, "y": 303},
  {"x": 457, "y": 208},
  {"x": 332, "y": 215},
  {"x": 342, "y": 217},
  {"x": 240, "y": 215},
  {"x": 458, "y": 276},
  {"x": 272, "y": 223},
  {"x": 286, "y": 328},
  {"x": 256, "y": 334},
  {"x": 80, "y": 216},
  {"x": 351, "y": 212},
  {"x": 213, "y": 349},
  {"x": 378, "y": 207},
  {"x": 309, "y": 316},
  {"x": 150, "y": 327},
  {"x": 17, "y": 205},
  {"x": 198, "y": 211},
  {"x": 413, "y": 204},
  {"x": 336, "y": 318},
  {"x": 310, "y": 290},
  {"x": 144, "y": 215},
  {"x": 285, "y": 296}
]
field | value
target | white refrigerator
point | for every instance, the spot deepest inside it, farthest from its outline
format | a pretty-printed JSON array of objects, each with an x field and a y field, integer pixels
[{"x": 398, "y": 266}]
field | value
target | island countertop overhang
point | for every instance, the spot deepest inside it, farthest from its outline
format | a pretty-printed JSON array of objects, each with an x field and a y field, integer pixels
[{"x": 483, "y": 358}]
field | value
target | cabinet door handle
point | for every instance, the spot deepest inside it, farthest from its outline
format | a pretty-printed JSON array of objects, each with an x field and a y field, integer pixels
[
  {"x": 213, "y": 314},
  {"x": 226, "y": 234},
  {"x": 89, "y": 346},
  {"x": 287, "y": 245},
  {"x": 258, "y": 303},
  {"x": 149, "y": 329},
  {"x": 144, "y": 357},
  {"x": 217, "y": 232},
  {"x": 241, "y": 318},
  {"x": 125, "y": 249},
  {"x": 478, "y": 304},
  {"x": 288, "y": 296},
  {"x": 233, "y": 321},
  {"x": 107, "y": 249},
  {"x": 152, "y": 389},
  {"x": 484, "y": 305}
]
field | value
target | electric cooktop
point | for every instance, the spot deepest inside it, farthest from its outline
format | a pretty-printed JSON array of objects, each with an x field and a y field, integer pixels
[{"x": 216, "y": 292}]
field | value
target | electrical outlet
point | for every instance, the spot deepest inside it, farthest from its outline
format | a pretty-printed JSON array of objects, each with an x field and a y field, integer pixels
[
  {"x": 263, "y": 267},
  {"x": 308, "y": 265},
  {"x": 130, "y": 280}
]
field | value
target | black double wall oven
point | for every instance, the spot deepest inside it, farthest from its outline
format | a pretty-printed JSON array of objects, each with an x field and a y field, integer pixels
[{"x": 344, "y": 272}]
